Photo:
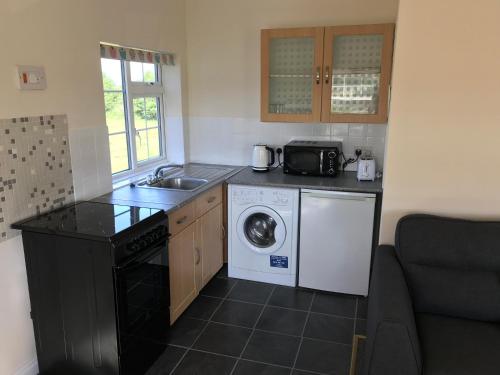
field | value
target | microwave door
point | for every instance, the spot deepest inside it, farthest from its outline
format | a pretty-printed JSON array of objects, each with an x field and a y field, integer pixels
[{"x": 304, "y": 162}]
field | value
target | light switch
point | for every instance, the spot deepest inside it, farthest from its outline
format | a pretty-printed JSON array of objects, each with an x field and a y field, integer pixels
[{"x": 31, "y": 77}]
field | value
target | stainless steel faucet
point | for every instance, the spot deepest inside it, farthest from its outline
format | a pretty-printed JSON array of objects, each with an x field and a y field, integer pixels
[{"x": 157, "y": 171}]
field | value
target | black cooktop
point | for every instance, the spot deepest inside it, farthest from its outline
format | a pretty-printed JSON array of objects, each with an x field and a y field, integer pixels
[{"x": 101, "y": 221}]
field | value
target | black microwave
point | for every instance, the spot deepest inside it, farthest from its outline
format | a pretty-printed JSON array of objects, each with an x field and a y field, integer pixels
[{"x": 312, "y": 158}]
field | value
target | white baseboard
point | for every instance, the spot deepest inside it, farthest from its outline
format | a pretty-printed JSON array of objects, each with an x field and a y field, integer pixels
[{"x": 30, "y": 368}]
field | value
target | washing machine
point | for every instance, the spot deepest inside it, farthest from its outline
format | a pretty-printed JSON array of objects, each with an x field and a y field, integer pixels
[{"x": 262, "y": 240}]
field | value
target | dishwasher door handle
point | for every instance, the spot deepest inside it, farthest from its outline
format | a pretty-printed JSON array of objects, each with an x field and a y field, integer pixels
[{"x": 337, "y": 195}]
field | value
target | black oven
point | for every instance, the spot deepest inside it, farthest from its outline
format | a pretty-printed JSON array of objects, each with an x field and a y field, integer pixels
[
  {"x": 98, "y": 278},
  {"x": 312, "y": 158},
  {"x": 142, "y": 303}
]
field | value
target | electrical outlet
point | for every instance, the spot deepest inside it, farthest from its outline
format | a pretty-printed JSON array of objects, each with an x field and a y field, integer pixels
[{"x": 366, "y": 151}]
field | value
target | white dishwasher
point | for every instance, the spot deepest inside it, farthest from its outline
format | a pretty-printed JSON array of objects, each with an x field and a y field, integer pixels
[{"x": 336, "y": 231}]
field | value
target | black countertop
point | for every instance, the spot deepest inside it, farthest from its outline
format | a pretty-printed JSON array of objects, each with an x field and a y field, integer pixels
[
  {"x": 344, "y": 181},
  {"x": 90, "y": 220},
  {"x": 170, "y": 200}
]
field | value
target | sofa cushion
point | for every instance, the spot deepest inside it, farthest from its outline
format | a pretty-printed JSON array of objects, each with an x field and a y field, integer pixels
[
  {"x": 453, "y": 292},
  {"x": 452, "y": 266},
  {"x": 452, "y": 346}
]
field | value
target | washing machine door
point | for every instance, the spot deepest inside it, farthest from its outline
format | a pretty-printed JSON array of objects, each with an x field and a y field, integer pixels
[{"x": 261, "y": 229}]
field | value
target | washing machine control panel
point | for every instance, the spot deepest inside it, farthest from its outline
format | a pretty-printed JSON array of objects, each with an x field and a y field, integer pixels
[
  {"x": 258, "y": 196},
  {"x": 280, "y": 198}
]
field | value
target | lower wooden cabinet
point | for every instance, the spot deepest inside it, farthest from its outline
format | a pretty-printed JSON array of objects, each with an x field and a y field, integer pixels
[
  {"x": 209, "y": 245},
  {"x": 195, "y": 256},
  {"x": 182, "y": 270}
]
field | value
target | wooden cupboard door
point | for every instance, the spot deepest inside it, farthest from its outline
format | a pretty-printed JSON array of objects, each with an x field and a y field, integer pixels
[
  {"x": 182, "y": 271},
  {"x": 210, "y": 239},
  {"x": 357, "y": 68},
  {"x": 291, "y": 71}
]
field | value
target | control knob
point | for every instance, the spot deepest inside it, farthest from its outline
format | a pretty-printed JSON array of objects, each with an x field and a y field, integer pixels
[
  {"x": 331, "y": 171},
  {"x": 134, "y": 247},
  {"x": 332, "y": 154}
]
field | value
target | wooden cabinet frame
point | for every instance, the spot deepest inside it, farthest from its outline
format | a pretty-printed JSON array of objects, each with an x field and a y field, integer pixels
[
  {"x": 323, "y": 63},
  {"x": 266, "y": 36},
  {"x": 387, "y": 30}
]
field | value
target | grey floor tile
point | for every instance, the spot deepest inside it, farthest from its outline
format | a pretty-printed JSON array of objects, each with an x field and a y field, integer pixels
[
  {"x": 238, "y": 313},
  {"x": 184, "y": 331},
  {"x": 202, "y": 307},
  {"x": 272, "y": 348},
  {"x": 251, "y": 291},
  {"x": 331, "y": 328},
  {"x": 218, "y": 287},
  {"x": 252, "y": 368},
  {"x": 335, "y": 304},
  {"x": 291, "y": 298},
  {"x": 204, "y": 364},
  {"x": 281, "y": 320},
  {"x": 324, "y": 357},
  {"x": 223, "y": 339}
]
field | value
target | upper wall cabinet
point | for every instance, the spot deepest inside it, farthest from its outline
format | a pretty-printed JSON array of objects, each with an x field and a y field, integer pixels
[
  {"x": 291, "y": 61},
  {"x": 332, "y": 74}
]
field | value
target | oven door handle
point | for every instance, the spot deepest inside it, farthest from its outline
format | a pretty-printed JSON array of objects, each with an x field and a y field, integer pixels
[
  {"x": 321, "y": 155},
  {"x": 141, "y": 259}
]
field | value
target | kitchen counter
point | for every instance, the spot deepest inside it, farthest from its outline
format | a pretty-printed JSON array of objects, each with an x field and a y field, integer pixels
[
  {"x": 345, "y": 181},
  {"x": 170, "y": 200}
]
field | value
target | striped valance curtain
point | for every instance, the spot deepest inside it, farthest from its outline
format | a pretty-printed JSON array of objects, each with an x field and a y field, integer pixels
[{"x": 110, "y": 51}]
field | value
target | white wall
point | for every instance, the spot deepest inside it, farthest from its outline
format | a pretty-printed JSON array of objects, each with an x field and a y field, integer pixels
[
  {"x": 223, "y": 49},
  {"x": 444, "y": 133},
  {"x": 64, "y": 36}
]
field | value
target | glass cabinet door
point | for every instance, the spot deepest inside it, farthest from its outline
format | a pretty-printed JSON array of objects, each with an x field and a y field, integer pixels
[
  {"x": 291, "y": 74},
  {"x": 357, "y": 68}
]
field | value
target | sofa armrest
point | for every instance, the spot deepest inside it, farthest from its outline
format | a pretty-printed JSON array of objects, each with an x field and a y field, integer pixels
[{"x": 392, "y": 345}]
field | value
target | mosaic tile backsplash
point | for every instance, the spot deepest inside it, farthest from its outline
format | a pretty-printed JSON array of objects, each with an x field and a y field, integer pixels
[{"x": 35, "y": 168}]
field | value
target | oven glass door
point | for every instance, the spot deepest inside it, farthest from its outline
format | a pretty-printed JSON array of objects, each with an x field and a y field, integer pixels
[
  {"x": 304, "y": 162},
  {"x": 143, "y": 301}
]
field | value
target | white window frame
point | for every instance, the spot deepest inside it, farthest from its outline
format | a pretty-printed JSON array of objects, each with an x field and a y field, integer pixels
[{"x": 133, "y": 90}]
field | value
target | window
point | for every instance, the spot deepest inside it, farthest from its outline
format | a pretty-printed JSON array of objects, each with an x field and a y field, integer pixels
[{"x": 133, "y": 99}]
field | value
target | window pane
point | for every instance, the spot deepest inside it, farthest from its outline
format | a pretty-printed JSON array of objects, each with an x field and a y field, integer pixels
[
  {"x": 141, "y": 145},
  {"x": 151, "y": 112},
  {"x": 153, "y": 143},
  {"x": 111, "y": 74},
  {"x": 119, "y": 152},
  {"x": 140, "y": 113},
  {"x": 115, "y": 112},
  {"x": 149, "y": 72},
  {"x": 136, "y": 71},
  {"x": 142, "y": 72}
]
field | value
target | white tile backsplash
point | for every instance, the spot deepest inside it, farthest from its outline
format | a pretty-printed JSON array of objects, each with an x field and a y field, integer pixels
[
  {"x": 357, "y": 130},
  {"x": 90, "y": 161},
  {"x": 226, "y": 140}
]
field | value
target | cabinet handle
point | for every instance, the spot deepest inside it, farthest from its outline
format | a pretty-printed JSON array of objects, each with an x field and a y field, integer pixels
[
  {"x": 318, "y": 75},
  {"x": 181, "y": 220},
  {"x": 223, "y": 232},
  {"x": 198, "y": 256},
  {"x": 211, "y": 199},
  {"x": 327, "y": 74}
]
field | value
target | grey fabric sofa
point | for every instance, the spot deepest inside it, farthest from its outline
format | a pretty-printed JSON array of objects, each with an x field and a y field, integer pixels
[{"x": 434, "y": 302}]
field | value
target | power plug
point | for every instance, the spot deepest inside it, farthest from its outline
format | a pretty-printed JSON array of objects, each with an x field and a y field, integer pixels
[
  {"x": 279, "y": 150},
  {"x": 358, "y": 152}
]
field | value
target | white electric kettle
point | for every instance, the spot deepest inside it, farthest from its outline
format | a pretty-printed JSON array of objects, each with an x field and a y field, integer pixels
[{"x": 263, "y": 158}]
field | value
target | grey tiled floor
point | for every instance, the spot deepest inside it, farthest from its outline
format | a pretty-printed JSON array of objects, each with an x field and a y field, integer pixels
[{"x": 239, "y": 327}]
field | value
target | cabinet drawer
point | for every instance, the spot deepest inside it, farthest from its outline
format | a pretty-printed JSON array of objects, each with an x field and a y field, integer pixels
[
  {"x": 208, "y": 200},
  {"x": 181, "y": 218}
]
